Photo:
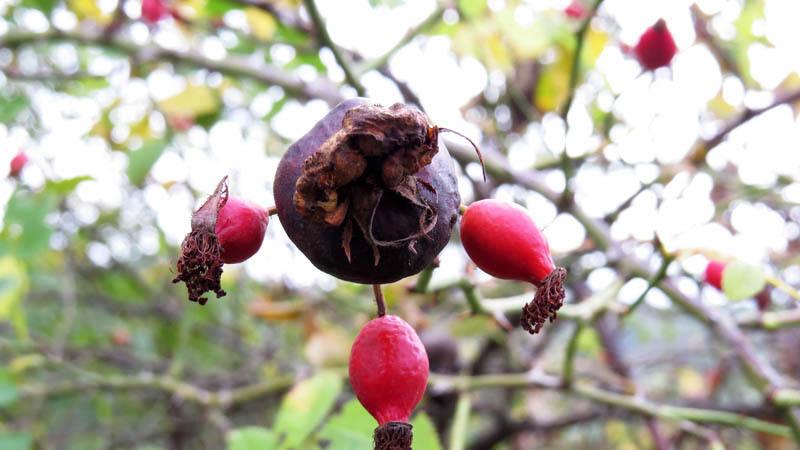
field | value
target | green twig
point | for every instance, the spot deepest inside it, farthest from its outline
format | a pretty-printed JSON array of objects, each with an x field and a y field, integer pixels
[
  {"x": 568, "y": 371},
  {"x": 666, "y": 260},
  {"x": 424, "y": 279},
  {"x": 458, "y": 431}
]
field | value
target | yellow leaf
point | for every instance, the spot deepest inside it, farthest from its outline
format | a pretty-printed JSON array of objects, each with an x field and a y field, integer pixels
[
  {"x": 88, "y": 9},
  {"x": 194, "y": 100},
  {"x": 593, "y": 45},
  {"x": 553, "y": 86},
  {"x": 328, "y": 347},
  {"x": 281, "y": 310},
  {"x": 262, "y": 24}
]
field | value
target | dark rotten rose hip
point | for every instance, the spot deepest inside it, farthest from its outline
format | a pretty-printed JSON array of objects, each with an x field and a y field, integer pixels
[{"x": 377, "y": 201}]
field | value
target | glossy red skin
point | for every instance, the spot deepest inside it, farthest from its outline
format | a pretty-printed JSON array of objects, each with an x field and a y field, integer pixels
[
  {"x": 714, "y": 271},
  {"x": 154, "y": 10},
  {"x": 655, "y": 47},
  {"x": 575, "y": 10},
  {"x": 17, "y": 163},
  {"x": 240, "y": 230},
  {"x": 502, "y": 239},
  {"x": 388, "y": 369}
]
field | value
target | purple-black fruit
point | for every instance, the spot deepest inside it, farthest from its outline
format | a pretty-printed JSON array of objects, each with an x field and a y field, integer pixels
[{"x": 369, "y": 195}]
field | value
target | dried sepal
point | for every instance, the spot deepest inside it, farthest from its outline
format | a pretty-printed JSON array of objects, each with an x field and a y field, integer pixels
[
  {"x": 393, "y": 436},
  {"x": 199, "y": 265},
  {"x": 545, "y": 305}
]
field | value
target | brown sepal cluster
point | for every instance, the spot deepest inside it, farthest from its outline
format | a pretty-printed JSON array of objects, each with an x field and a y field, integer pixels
[
  {"x": 199, "y": 264},
  {"x": 377, "y": 152},
  {"x": 393, "y": 436},
  {"x": 545, "y": 305}
]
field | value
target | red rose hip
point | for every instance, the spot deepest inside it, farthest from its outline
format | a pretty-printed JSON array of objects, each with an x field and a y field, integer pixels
[
  {"x": 154, "y": 10},
  {"x": 502, "y": 239},
  {"x": 389, "y": 372},
  {"x": 655, "y": 47},
  {"x": 575, "y": 10},
  {"x": 17, "y": 163},
  {"x": 224, "y": 230},
  {"x": 240, "y": 229},
  {"x": 714, "y": 271}
]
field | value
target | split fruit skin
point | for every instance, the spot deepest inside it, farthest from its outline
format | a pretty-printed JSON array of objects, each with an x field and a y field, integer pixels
[
  {"x": 240, "y": 229},
  {"x": 389, "y": 372},
  {"x": 502, "y": 239},
  {"x": 655, "y": 47},
  {"x": 394, "y": 217},
  {"x": 17, "y": 163}
]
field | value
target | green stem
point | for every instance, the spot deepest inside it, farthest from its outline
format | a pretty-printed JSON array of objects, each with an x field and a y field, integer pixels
[
  {"x": 666, "y": 260},
  {"x": 424, "y": 279},
  {"x": 458, "y": 432},
  {"x": 568, "y": 371}
]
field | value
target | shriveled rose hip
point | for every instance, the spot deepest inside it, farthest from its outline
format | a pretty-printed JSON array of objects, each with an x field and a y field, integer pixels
[
  {"x": 502, "y": 239},
  {"x": 389, "y": 372},
  {"x": 655, "y": 47}
]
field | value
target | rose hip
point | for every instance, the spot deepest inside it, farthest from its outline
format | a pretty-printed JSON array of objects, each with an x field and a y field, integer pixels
[
  {"x": 220, "y": 234},
  {"x": 389, "y": 371},
  {"x": 17, "y": 163},
  {"x": 502, "y": 239},
  {"x": 655, "y": 47}
]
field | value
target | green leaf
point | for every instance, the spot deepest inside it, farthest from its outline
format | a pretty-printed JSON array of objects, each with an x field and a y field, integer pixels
[
  {"x": 472, "y": 9},
  {"x": 8, "y": 389},
  {"x": 553, "y": 86},
  {"x": 251, "y": 438},
  {"x": 15, "y": 441},
  {"x": 140, "y": 161},
  {"x": 64, "y": 187},
  {"x": 425, "y": 436},
  {"x": 11, "y": 107},
  {"x": 352, "y": 428},
  {"x": 26, "y": 233},
  {"x": 214, "y": 8},
  {"x": 741, "y": 281},
  {"x": 304, "y": 407}
]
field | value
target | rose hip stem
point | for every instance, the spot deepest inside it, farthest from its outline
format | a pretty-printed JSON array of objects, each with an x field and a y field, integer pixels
[{"x": 376, "y": 288}]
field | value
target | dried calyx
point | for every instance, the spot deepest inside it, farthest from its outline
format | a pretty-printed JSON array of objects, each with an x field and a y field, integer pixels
[
  {"x": 377, "y": 152},
  {"x": 393, "y": 436},
  {"x": 199, "y": 264},
  {"x": 548, "y": 300}
]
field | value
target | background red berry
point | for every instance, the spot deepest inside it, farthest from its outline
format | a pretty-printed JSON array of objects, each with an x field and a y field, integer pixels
[
  {"x": 17, "y": 163},
  {"x": 575, "y": 10},
  {"x": 388, "y": 369},
  {"x": 655, "y": 47},
  {"x": 714, "y": 271},
  {"x": 154, "y": 10}
]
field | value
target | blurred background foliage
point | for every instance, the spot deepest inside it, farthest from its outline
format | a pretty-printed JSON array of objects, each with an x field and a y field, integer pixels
[{"x": 639, "y": 178}]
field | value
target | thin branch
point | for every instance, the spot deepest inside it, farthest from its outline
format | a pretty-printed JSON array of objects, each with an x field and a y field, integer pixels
[
  {"x": 635, "y": 404},
  {"x": 233, "y": 65},
  {"x": 576, "y": 58},
  {"x": 425, "y": 25},
  {"x": 698, "y": 155},
  {"x": 381, "y": 303},
  {"x": 325, "y": 39},
  {"x": 47, "y": 75}
]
